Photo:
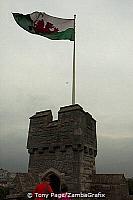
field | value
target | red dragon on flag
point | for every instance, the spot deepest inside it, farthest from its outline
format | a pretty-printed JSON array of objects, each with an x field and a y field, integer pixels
[
  {"x": 42, "y": 26},
  {"x": 45, "y": 25}
]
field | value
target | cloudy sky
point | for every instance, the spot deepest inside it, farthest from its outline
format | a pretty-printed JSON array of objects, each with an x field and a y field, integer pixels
[{"x": 36, "y": 74}]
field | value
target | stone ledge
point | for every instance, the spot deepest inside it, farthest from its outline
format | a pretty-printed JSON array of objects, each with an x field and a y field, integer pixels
[{"x": 71, "y": 108}]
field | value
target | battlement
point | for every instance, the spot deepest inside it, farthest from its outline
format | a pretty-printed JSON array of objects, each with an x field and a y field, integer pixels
[
  {"x": 69, "y": 108},
  {"x": 42, "y": 114},
  {"x": 74, "y": 127},
  {"x": 72, "y": 113},
  {"x": 42, "y": 117}
]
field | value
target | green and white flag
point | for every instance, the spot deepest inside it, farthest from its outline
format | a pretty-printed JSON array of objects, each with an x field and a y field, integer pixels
[{"x": 42, "y": 24}]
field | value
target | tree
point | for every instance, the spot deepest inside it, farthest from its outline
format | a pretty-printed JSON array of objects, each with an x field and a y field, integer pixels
[
  {"x": 130, "y": 186},
  {"x": 3, "y": 192}
]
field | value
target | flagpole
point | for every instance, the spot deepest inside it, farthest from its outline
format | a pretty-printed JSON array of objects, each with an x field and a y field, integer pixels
[{"x": 73, "y": 81}]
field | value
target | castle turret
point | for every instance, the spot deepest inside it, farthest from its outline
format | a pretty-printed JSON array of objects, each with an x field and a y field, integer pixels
[{"x": 64, "y": 149}]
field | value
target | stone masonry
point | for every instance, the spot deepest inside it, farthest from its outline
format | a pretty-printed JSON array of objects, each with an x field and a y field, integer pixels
[
  {"x": 66, "y": 147},
  {"x": 65, "y": 150}
]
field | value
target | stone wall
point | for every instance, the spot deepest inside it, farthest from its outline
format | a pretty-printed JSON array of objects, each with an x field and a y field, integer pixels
[
  {"x": 67, "y": 145},
  {"x": 114, "y": 186}
]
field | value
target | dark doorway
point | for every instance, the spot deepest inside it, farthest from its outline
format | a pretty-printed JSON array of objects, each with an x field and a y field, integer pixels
[{"x": 55, "y": 183}]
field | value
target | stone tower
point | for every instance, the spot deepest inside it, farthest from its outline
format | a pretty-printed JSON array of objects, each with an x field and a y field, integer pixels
[{"x": 63, "y": 149}]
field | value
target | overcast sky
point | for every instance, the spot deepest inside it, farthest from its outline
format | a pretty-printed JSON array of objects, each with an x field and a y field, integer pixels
[{"x": 36, "y": 74}]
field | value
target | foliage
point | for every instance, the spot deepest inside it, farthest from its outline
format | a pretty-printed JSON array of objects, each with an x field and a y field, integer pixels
[
  {"x": 3, "y": 192},
  {"x": 130, "y": 186}
]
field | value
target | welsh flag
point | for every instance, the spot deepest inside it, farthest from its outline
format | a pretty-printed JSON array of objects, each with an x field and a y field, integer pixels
[{"x": 45, "y": 25}]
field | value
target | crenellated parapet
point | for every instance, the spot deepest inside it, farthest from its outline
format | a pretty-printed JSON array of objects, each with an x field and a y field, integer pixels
[{"x": 74, "y": 127}]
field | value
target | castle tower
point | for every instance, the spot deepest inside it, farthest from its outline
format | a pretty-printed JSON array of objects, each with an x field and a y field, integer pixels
[{"x": 64, "y": 149}]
